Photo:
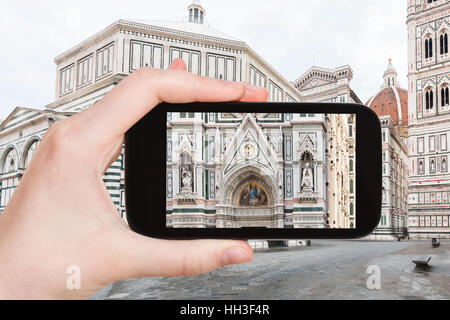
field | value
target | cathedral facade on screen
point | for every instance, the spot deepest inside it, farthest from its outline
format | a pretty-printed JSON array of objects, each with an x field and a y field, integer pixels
[
  {"x": 293, "y": 156},
  {"x": 273, "y": 170},
  {"x": 428, "y": 26}
]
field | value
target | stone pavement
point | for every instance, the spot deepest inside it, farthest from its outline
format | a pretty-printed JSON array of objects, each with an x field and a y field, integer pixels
[{"x": 329, "y": 269}]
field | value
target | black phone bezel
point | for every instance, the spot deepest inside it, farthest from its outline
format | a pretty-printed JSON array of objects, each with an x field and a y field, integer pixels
[{"x": 145, "y": 172}]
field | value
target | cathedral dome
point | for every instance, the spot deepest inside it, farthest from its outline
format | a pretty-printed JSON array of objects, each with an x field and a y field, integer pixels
[{"x": 391, "y": 99}]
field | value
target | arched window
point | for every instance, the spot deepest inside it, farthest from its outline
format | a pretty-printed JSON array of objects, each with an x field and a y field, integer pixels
[
  {"x": 350, "y": 165},
  {"x": 429, "y": 103},
  {"x": 428, "y": 48},
  {"x": 11, "y": 163},
  {"x": 195, "y": 15},
  {"x": 351, "y": 208},
  {"x": 431, "y": 99},
  {"x": 9, "y": 184},
  {"x": 30, "y": 153},
  {"x": 351, "y": 185},
  {"x": 444, "y": 96},
  {"x": 443, "y": 43}
]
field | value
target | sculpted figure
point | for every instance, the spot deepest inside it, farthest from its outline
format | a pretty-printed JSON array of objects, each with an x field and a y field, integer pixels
[{"x": 307, "y": 178}]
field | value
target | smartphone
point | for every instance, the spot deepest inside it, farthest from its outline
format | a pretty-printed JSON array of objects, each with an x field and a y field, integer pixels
[{"x": 254, "y": 171}]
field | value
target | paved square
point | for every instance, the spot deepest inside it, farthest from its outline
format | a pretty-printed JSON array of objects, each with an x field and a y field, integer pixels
[{"x": 326, "y": 270}]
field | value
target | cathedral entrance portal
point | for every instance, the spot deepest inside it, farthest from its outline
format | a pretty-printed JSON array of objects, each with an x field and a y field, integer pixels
[{"x": 249, "y": 201}]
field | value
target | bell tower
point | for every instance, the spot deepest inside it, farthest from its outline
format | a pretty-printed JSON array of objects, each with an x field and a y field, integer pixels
[{"x": 196, "y": 12}]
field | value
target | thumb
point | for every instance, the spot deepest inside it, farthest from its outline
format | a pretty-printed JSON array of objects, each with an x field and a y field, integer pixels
[
  {"x": 148, "y": 257},
  {"x": 178, "y": 64}
]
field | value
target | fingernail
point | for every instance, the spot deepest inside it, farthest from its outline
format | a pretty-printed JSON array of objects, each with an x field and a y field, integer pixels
[
  {"x": 175, "y": 63},
  {"x": 235, "y": 255}
]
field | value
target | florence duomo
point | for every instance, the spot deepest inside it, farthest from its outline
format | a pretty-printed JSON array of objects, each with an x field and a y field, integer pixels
[
  {"x": 230, "y": 170},
  {"x": 273, "y": 170}
]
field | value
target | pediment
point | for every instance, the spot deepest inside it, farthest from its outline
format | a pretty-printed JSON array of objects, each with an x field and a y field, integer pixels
[
  {"x": 249, "y": 146},
  {"x": 445, "y": 78},
  {"x": 17, "y": 113},
  {"x": 426, "y": 29},
  {"x": 443, "y": 23},
  {"x": 314, "y": 82},
  {"x": 22, "y": 115},
  {"x": 307, "y": 143},
  {"x": 429, "y": 82}
]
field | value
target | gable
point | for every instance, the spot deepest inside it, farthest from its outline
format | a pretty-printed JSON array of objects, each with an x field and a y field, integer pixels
[
  {"x": 249, "y": 146},
  {"x": 18, "y": 116}
]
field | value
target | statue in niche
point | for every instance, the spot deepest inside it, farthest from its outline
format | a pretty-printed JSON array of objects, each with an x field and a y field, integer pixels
[
  {"x": 186, "y": 170},
  {"x": 186, "y": 179},
  {"x": 226, "y": 142},
  {"x": 384, "y": 191},
  {"x": 307, "y": 178},
  {"x": 421, "y": 167}
]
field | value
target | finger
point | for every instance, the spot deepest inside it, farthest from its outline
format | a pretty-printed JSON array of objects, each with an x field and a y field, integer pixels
[
  {"x": 147, "y": 257},
  {"x": 137, "y": 94},
  {"x": 113, "y": 154},
  {"x": 178, "y": 64},
  {"x": 254, "y": 94}
]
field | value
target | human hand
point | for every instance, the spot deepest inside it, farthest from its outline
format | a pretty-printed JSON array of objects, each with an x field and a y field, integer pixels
[{"x": 62, "y": 215}]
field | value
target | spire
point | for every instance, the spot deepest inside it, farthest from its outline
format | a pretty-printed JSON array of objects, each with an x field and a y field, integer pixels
[
  {"x": 390, "y": 76},
  {"x": 196, "y": 12}
]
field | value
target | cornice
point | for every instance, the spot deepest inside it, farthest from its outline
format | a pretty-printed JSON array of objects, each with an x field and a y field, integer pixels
[
  {"x": 133, "y": 25},
  {"x": 89, "y": 42},
  {"x": 110, "y": 80},
  {"x": 251, "y": 53},
  {"x": 427, "y": 12}
]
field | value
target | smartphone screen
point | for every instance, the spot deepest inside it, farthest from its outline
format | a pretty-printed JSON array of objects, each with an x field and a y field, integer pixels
[{"x": 261, "y": 170}]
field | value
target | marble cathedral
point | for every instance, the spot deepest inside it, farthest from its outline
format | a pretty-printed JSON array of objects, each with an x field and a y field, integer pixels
[{"x": 282, "y": 148}]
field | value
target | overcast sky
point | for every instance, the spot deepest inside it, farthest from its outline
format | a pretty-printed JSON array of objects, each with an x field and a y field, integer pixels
[{"x": 291, "y": 35}]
